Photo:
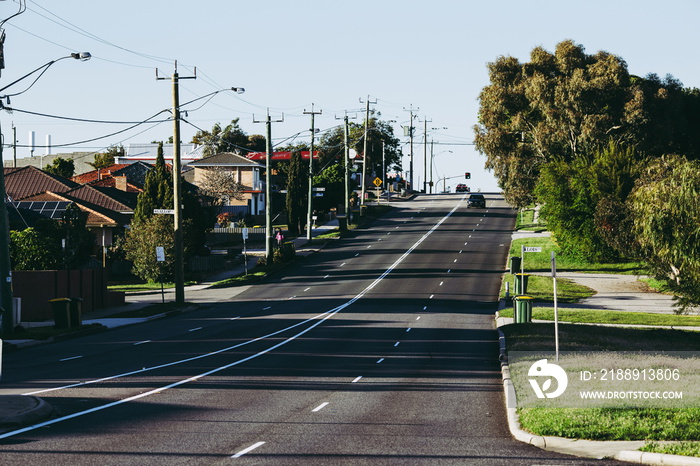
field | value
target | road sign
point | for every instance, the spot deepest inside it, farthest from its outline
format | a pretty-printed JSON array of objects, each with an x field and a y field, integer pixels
[
  {"x": 377, "y": 182},
  {"x": 532, "y": 249},
  {"x": 164, "y": 211},
  {"x": 322, "y": 189},
  {"x": 244, "y": 231},
  {"x": 160, "y": 254}
]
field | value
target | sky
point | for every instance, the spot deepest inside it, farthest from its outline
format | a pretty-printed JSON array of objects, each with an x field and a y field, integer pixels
[{"x": 292, "y": 56}]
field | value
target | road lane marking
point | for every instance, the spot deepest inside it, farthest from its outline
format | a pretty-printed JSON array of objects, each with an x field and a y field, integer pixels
[
  {"x": 357, "y": 379},
  {"x": 238, "y": 317},
  {"x": 357, "y": 254},
  {"x": 195, "y": 329},
  {"x": 142, "y": 342},
  {"x": 418, "y": 318},
  {"x": 431, "y": 296},
  {"x": 408, "y": 329},
  {"x": 326, "y": 277},
  {"x": 380, "y": 360},
  {"x": 307, "y": 289},
  {"x": 69, "y": 359},
  {"x": 313, "y": 321},
  {"x": 248, "y": 450},
  {"x": 342, "y": 264},
  {"x": 396, "y": 344},
  {"x": 320, "y": 407},
  {"x": 441, "y": 283}
]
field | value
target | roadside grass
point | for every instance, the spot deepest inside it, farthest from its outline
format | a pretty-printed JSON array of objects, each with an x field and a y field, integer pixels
[
  {"x": 676, "y": 448},
  {"x": 541, "y": 261},
  {"x": 526, "y": 221},
  {"x": 603, "y": 316},
  {"x": 542, "y": 290},
  {"x": 134, "y": 287},
  {"x": 606, "y": 423}
]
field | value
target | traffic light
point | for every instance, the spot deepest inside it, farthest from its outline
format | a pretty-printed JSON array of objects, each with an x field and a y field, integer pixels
[{"x": 467, "y": 175}]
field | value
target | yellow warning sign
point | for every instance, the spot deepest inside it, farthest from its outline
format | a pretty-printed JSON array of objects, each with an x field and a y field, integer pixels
[{"x": 377, "y": 182}]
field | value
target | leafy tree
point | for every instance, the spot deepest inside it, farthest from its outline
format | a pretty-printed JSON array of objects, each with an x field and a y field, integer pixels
[
  {"x": 157, "y": 190},
  {"x": 61, "y": 167},
  {"x": 79, "y": 241},
  {"x": 140, "y": 248},
  {"x": 31, "y": 250},
  {"x": 297, "y": 187},
  {"x": 666, "y": 213},
  {"x": 229, "y": 139},
  {"x": 106, "y": 159},
  {"x": 333, "y": 179},
  {"x": 558, "y": 105},
  {"x": 580, "y": 200}
]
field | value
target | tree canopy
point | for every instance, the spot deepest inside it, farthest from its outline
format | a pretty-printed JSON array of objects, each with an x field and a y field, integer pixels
[
  {"x": 61, "y": 167},
  {"x": 229, "y": 139}
]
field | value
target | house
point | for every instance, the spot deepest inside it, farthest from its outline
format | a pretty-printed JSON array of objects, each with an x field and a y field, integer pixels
[
  {"x": 127, "y": 177},
  {"x": 109, "y": 210},
  {"x": 148, "y": 153},
  {"x": 247, "y": 172}
]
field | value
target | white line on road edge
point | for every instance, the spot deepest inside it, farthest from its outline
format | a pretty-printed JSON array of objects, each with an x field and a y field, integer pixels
[
  {"x": 317, "y": 320},
  {"x": 248, "y": 450},
  {"x": 319, "y": 407}
]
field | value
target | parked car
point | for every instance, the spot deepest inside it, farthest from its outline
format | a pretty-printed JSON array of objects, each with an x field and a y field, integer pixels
[
  {"x": 476, "y": 200},
  {"x": 462, "y": 188}
]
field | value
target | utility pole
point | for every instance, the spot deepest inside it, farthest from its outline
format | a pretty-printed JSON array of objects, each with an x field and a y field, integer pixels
[
  {"x": 425, "y": 154},
  {"x": 410, "y": 134},
  {"x": 364, "y": 151},
  {"x": 177, "y": 187},
  {"x": 6, "y": 311},
  {"x": 346, "y": 158},
  {"x": 431, "y": 166},
  {"x": 14, "y": 146},
  {"x": 268, "y": 198},
  {"x": 309, "y": 210}
]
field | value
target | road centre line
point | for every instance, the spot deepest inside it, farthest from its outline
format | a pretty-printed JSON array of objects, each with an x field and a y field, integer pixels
[
  {"x": 319, "y": 407},
  {"x": 248, "y": 450},
  {"x": 315, "y": 322}
]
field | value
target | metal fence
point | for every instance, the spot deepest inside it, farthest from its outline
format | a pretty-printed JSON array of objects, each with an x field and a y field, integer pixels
[{"x": 235, "y": 235}]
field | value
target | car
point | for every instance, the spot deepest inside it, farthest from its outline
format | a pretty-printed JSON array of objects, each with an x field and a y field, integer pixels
[
  {"x": 462, "y": 188},
  {"x": 476, "y": 200}
]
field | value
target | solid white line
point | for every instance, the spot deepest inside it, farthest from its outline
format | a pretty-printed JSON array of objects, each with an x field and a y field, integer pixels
[
  {"x": 142, "y": 342},
  {"x": 68, "y": 359},
  {"x": 319, "y": 407},
  {"x": 195, "y": 329},
  {"x": 380, "y": 360},
  {"x": 248, "y": 450},
  {"x": 357, "y": 379}
]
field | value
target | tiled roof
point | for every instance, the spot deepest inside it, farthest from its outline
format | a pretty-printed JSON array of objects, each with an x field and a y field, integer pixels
[
  {"x": 135, "y": 174},
  {"x": 97, "y": 216},
  {"x": 99, "y": 198},
  {"x": 27, "y": 181}
]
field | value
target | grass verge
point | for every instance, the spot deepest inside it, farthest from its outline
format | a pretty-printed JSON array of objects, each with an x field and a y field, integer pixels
[
  {"x": 606, "y": 423},
  {"x": 677, "y": 448},
  {"x": 603, "y": 316}
]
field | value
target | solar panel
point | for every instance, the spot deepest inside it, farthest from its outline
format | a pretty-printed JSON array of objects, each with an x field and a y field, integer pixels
[{"x": 50, "y": 209}]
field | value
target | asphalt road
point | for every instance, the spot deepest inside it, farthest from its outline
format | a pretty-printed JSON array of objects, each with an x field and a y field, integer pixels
[{"x": 379, "y": 349}]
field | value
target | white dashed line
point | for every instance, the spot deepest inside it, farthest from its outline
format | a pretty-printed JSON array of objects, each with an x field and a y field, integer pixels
[
  {"x": 248, "y": 450},
  {"x": 195, "y": 329},
  {"x": 357, "y": 379},
  {"x": 396, "y": 344},
  {"x": 320, "y": 407},
  {"x": 142, "y": 342},
  {"x": 68, "y": 359},
  {"x": 380, "y": 360}
]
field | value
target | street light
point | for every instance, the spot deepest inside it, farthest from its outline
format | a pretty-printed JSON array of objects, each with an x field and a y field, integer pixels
[{"x": 5, "y": 268}]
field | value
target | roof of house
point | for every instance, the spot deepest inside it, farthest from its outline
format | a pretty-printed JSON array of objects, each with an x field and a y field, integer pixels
[
  {"x": 225, "y": 159},
  {"x": 103, "y": 198},
  {"x": 24, "y": 182},
  {"x": 97, "y": 216},
  {"x": 135, "y": 174}
]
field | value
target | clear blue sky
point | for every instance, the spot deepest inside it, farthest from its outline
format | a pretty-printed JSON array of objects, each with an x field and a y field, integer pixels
[{"x": 289, "y": 54}]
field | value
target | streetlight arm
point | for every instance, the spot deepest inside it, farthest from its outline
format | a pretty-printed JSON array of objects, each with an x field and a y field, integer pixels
[{"x": 83, "y": 56}]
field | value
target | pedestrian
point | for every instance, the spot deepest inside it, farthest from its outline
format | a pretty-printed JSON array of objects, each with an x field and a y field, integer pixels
[{"x": 279, "y": 237}]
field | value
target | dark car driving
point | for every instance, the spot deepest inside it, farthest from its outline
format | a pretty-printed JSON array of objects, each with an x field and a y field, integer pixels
[{"x": 476, "y": 200}]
